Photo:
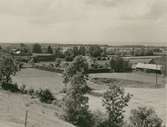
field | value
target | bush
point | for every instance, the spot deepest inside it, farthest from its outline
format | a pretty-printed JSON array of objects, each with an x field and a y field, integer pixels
[
  {"x": 31, "y": 92},
  {"x": 45, "y": 96},
  {"x": 144, "y": 117},
  {"x": 10, "y": 87},
  {"x": 23, "y": 89}
]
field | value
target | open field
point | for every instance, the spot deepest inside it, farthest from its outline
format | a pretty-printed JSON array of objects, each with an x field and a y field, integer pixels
[
  {"x": 134, "y": 76},
  {"x": 155, "y": 98},
  {"x": 36, "y": 79},
  {"x": 14, "y": 106}
]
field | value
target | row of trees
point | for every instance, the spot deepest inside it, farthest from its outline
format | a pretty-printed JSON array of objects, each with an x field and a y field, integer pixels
[{"x": 70, "y": 53}]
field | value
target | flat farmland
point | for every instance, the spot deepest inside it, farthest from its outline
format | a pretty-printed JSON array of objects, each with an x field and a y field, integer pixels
[
  {"x": 134, "y": 76},
  {"x": 154, "y": 98},
  {"x": 34, "y": 78}
]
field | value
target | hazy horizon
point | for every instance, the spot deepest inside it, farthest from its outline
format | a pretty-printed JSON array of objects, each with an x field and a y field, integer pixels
[
  {"x": 113, "y": 22},
  {"x": 97, "y": 42}
]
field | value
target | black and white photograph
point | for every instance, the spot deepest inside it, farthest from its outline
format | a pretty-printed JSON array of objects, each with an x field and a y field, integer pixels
[{"x": 83, "y": 63}]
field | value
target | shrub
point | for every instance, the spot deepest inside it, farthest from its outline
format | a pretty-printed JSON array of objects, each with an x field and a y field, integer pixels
[
  {"x": 46, "y": 96},
  {"x": 10, "y": 87},
  {"x": 31, "y": 92},
  {"x": 23, "y": 89},
  {"x": 115, "y": 100},
  {"x": 144, "y": 117}
]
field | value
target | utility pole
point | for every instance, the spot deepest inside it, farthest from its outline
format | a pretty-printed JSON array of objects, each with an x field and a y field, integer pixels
[
  {"x": 156, "y": 80},
  {"x": 156, "y": 77},
  {"x": 26, "y": 117}
]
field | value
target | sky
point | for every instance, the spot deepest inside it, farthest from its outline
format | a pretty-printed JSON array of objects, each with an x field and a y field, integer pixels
[{"x": 84, "y": 21}]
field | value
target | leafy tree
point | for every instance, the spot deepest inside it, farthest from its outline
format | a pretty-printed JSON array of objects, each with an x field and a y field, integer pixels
[
  {"x": 119, "y": 65},
  {"x": 69, "y": 54},
  {"x": 50, "y": 49},
  {"x": 58, "y": 52},
  {"x": 144, "y": 117},
  {"x": 7, "y": 69},
  {"x": 104, "y": 52},
  {"x": 115, "y": 101},
  {"x": 82, "y": 50},
  {"x": 76, "y": 103},
  {"x": 75, "y": 51},
  {"x": 37, "y": 48},
  {"x": 79, "y": 65},
  {"x": 95, "y": 51}
]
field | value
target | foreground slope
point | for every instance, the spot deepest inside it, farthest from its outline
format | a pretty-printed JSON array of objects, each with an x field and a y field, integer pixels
[{"x": 14, "y": 106}]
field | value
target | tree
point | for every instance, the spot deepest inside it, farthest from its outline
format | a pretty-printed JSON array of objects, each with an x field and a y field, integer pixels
[
  {"x": 58, "y": 52},
  {"x": 104, "y": 52},
  {"x": 69, "y": 54},
  {"x": 76, "y": 103},
  {"x": 7, "y": 69},
  {"x": 82, "y": 50},
  {"x": 37, "y": 48},
  {"x": 117, "y": 64},
  {"x": 50, "y": 50},
  {"x": 95, "y": 51},
  {"x": 79, "y": 65},
  {"x": 115, "y": 101},
  {"x": 75, "y": 51},
  {"x": 144, "y": 117}
]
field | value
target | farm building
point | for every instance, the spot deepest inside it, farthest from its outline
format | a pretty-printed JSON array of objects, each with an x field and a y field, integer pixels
[{"x": 149, "y": 67}]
